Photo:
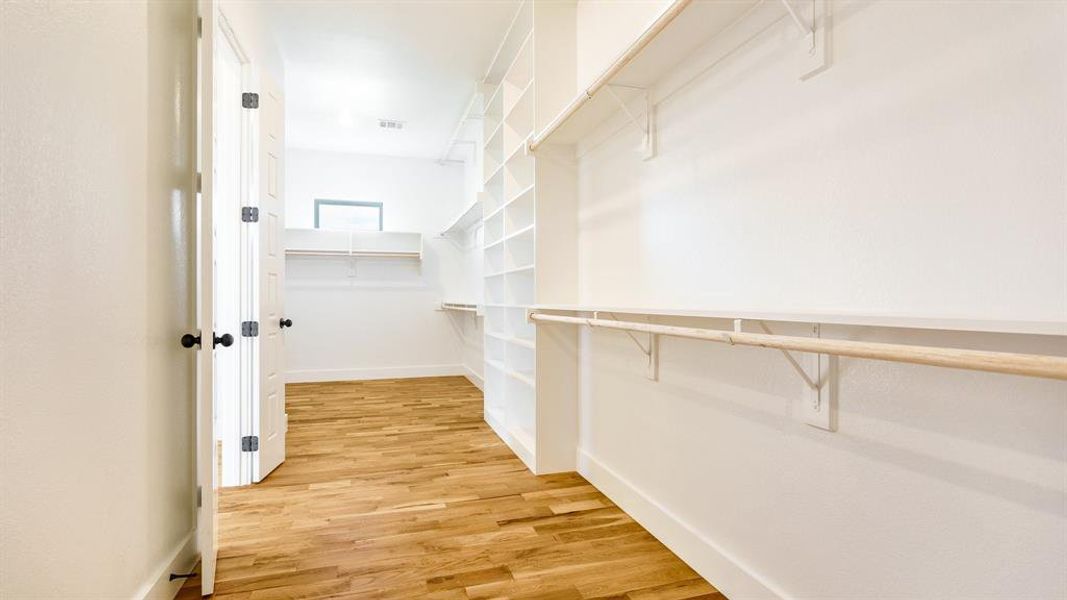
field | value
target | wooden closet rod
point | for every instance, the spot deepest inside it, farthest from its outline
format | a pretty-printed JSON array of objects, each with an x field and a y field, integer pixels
[
  {"x": 624, "y": 59},
  {"x": 1030, "y": 365}
]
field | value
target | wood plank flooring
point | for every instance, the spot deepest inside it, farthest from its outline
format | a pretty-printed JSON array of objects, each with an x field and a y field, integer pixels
[{"x": 397, "y": 489}]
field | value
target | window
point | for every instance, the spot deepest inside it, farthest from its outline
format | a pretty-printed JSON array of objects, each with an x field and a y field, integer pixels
[{"x": 348, "y": 215}]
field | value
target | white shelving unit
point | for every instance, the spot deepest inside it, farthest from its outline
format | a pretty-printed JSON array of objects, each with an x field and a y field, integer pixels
[{"x": 530, "y": 223}]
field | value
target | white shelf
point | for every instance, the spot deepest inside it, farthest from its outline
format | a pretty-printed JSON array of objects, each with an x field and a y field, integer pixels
[
  {"x": 518, "y": 196},
  {"x": 495, "y": 134},
  {"x": 461, "y": 307},
  {"x": 1057, "y": 328},
  {"x": 512, "y": 43},
  {"x": 497, "y": 172},
  {"x": 495, "y": 95},
  {"x": 374, "y": 244},
  {"x": 521, "y": 101},
  {"x": 517, "y": 151},
  {"x": 528, "y": 230},
  {"x": 697, "y": 23},
  {"x": 524, "y": 377},
  {"x": 520, "y": 71},
  {"x": 512, "y": 339},
  {"x": 511, "y": 271},
  {"x": 464, "y": 220}
]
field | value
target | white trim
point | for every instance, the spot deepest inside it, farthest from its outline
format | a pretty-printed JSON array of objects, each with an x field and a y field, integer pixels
[
  {"x": 320, "y": 375},
  {"x": 515, "y": 444},
  {"x": 723, "y": 570},
  {"x": 474, "y": 378},
  {"x": 182, "y": 560}
]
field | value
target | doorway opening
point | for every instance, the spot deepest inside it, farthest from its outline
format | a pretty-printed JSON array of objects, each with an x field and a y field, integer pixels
[{"x": 233, "y": 172}]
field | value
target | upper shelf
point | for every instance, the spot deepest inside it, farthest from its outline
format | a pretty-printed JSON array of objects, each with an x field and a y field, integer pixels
[
  {"x": 521, "y": 25},
  {"x": 461, "y": 307},
  {"x": 852, "y": 319},
  {"x": 464, "y": 220},
  {"x": 682, "y": 27},
  {"x": 381, "y": 244}
]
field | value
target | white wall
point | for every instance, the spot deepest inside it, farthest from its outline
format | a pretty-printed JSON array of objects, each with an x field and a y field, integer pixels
[
  {"x": 472, "y": 285},
  {"x": 373, "y": 318},
  {"x": 924, "y": 173},
  {"x": 96, "y": 394},
  {"x": 471, "y": 327}
]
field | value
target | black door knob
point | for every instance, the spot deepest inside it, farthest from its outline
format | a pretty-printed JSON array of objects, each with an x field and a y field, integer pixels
[
  {"x": 285, "y": 323},
  {"x": 226, "y": 340},
  {"x": 189, "y": 340}
]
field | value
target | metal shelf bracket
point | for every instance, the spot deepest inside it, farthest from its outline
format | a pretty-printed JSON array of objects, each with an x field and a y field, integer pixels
[
  {"x": 807, "y": 30},
  {"x": 646, "y": 128},
  {"x": 819, "y": 407},
  {"x": 651, "y": 350}
]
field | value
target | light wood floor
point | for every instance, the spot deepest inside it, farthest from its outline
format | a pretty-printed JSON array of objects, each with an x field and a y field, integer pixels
[{"x": 397, "y": 490}]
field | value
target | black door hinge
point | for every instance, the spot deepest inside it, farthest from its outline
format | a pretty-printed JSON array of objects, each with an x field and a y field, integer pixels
[
  {"x": 250, "y": 100},
  {"x": 250, "y": 214},
  {"x": 250, "y": 328},
  {"x": 250, "y": 443}
]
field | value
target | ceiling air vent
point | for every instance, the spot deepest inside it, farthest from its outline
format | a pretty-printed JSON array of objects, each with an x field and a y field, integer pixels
[{"x": 390, "y": 124}]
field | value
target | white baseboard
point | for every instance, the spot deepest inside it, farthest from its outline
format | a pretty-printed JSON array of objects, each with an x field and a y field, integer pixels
[
  {"x": 181, "y": 560},
  {"x": 321, "y": 375},
  {"x": 729, "y": 575},
  {"x": 474, "y": 378},
  {"x": 520, "y": 450}
]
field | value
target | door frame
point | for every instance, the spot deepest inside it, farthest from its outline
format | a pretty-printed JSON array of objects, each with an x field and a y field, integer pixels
[{"x": 245, "y": 346}]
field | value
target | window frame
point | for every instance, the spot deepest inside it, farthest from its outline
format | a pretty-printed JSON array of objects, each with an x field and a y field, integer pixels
[{"x": 360, "y": 203}]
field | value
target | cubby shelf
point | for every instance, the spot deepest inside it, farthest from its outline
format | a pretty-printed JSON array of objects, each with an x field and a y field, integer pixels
[
  {"x": 511, "y": 339},
  {"x": 497, "y": 172},
  {"x": 526, "y": 378},
  {"x": 522, "y": 101},
  {"x": 510, "y": 271},
  {"x": 520, "y": 71},
  {"x": 519, "y": 151},
  {"x": 525, "y": 231},
  {"x": 518, "y": 196}
]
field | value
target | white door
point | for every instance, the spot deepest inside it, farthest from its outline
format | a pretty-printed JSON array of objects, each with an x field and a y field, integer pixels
[
  {"x": 206, "y": 449},
  {"x": 270, "y": 417}
]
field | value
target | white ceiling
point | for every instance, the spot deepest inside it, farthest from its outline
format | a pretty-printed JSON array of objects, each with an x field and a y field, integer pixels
[{"x": 350, "y": 62}]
